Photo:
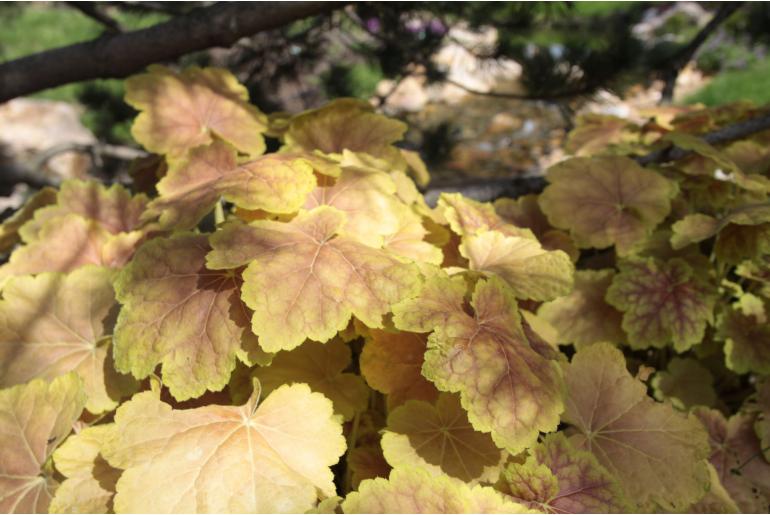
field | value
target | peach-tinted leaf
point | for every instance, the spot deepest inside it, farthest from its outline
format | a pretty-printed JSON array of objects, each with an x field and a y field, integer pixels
[
  {"x": 736, "y": 456},
  {"x": 10, "y": 228},
  {"x": 69, "y": 242},
  {"x": 325, "y": 278},
  {"x": 113, "y": 208},
  {"x": 34, "y": 419},
  {"x": 583, "y": 316},
  {"x": 271, "y": 457},
  {"x": 531, "y": 271},
  {"x": 506, "y": 385},
  {"x": 368, "y": 199},
  {"x": 409, "y": 240},
  {"x": 558, "y": 478},
  {"x": 763, "y": 418},
  {"x": 278, "y": 183},
  {"x": 320, "y": 365},
  {"x": 717, "y": 499},
  {"x": 438, "y": 437},
  {"x": 344, "y": 124},
  {"x": 90, "y": 483},
  {"x": 179, "y": 111},
  {"x": 391, "y": 363},
  {"x": 414, "y": 490},
  {"x": 662, "y": 302},
  {"x": 55, "y": 323},
  {"x": 685, "y": 383},
  {"x": 597, "y": 133},
  {"x": 657, "y": 453},
  {"x": 179, "y": 314},
  {"x": 525, "y": 212},
  {"x": 606, "y": 201},
  {"x": 467, "y": 216}
]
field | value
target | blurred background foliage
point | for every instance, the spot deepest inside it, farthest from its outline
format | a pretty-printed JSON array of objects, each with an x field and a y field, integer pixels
[{"x": 566, "y": 54}]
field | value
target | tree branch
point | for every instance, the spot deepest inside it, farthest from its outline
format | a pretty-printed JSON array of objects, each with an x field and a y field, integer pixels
[
  {"x": 120, "y": 55},
  {"x": 684, "y": 55},
  {"x": 485, "y": 190},
  {"x": 94, "y": 11}
]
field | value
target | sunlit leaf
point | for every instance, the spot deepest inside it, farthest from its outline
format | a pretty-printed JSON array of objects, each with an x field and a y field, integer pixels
[
  {"x": 34, "y": 419},
  {"x": 507, "y": 387},
  {"x": 325, "y": 278},
  {"x": 271, "y": 457},
  {"x": 467, "y": 216},
  {"x": 9, "y": 230},
  {"x": 278, "y": 183},
  {"x": 55, "y": 323},
  {"x": 656, "y": 452},
  {"x": 180, "y": 111},
  {"x": 344, "y": 124},
  {"x": 113, "y": 208},
  {"x": 179, "y": 314},
  {"x": 414, "y": 490},
  {"x": 90, "y": 483},
  {"x": 66, "y": 243},
  {"x": 531, "y": 271},
  {"x": 606, "y": 201}
]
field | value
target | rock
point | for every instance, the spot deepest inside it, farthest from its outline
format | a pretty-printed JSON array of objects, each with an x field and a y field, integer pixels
[{"x": 28, "y": 127}]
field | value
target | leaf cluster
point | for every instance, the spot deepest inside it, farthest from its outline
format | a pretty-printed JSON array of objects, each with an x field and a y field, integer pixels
[{"x": 298, "y": 331}]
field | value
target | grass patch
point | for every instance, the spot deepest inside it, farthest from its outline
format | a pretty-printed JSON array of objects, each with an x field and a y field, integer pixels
[{"x": 751, "y": 84}]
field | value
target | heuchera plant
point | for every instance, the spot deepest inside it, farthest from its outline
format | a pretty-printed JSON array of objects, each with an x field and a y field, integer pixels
[{"x": 298, "y": 331}]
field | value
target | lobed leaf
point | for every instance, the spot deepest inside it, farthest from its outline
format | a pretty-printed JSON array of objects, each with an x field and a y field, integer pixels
[
  {"x": 90, "y": 483},
  {"x": 439, "y": 438},
  {"x": 558, "y": 478},
  {"x": 656, "y": 452},
  {"x": 583, "y": 316},
  {"x": 662, "y": 302},
  {"x": 321, "y": 367},
  {"x": 55, "y": 323},
  {"x": 606, "y": 201},
  {"x": 180, "y": 111},
  {"x": 326, "y": 277},
  {"x": 685, "y": 383},
  {"x": 34, "y": 419},
  {"x": 179, "y": 314},
  {"x": 271, "y": 457},
  {"x": 506, "y": 385},
  {"x": 414, "y": 490}
]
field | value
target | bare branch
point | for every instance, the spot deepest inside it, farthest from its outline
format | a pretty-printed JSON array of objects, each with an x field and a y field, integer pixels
[
  {"x": 680, "y": 60},
  {"x": 120, "y": 55}
]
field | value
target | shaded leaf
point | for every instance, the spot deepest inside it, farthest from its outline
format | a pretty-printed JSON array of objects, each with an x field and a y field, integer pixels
[
  {"x": 391, "y": 363},
  {"x": 9, "y": 230},
  {"x": 656, "y": 452},
  {"x": 583, "y": 316},
  {"x": 320, "y": 366},
  {"x": 662, "y": 302},
  {"x": 686, "y": 383},
  {"x": 606, "y": 201},
  {"x": 438, "y": 437},
  {"x": 558, "y": 478}
]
